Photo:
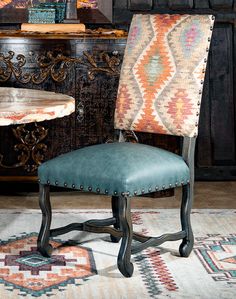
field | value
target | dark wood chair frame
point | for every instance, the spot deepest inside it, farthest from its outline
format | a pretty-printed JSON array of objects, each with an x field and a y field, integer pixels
[{"x": 120, "y": 225}]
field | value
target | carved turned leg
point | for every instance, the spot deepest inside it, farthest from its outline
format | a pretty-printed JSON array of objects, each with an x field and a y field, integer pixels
[
  {"x": 115, "y": 212},
  {"x": 43, "y": 239},
  {"x": 187, "y": 198},
  {"x": 123, "y": 262}
]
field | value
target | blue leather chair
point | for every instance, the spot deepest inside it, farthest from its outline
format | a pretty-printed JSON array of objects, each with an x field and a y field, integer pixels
[{"x": 160, "y": 91}]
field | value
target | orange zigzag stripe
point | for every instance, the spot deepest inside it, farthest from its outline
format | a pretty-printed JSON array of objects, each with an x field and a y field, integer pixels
[{"x": 148, "y": 122}]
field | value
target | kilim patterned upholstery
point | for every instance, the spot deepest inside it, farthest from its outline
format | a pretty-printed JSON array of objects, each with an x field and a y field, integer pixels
[{"x": 162, "y": 74}]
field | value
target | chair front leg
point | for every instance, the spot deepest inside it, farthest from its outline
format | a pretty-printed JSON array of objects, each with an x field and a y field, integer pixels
[
  {"x": 187, "y": 199},
  {"x": 43, "y": 239},
  {"x": 123, "y": 261}
]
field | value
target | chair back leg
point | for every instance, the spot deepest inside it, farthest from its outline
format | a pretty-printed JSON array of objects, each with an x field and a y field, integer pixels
[
  {"x": 187, "y": 199},
  {"x": 115, "y": 212}
]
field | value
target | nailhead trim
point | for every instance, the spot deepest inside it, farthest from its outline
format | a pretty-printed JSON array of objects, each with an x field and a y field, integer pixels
[
  {"x": 81, "y": 187},
  {"x": 115, "y": 192},
  {"x": 38, "y": 180},
  {"x": 143, "y": 191},
  {"x": 98, "y": 190},
  {"x": 90, "y": 189},
  {"x": 48, "y": 182},
  {"x": 157, "y": 188},
  {"x": 73, "y": 186},
  {"x": 106, "y": 191},
  {"x": 163, "y": 187},
  {"x": 65, "y": 184},
  {"x": 170, "y": 185},
  {"x": 56, "y": 183},
  {"x": 176, "y": 184},
  {"x": 135, "y": 192},
  {"x": 150, "y": 190}
]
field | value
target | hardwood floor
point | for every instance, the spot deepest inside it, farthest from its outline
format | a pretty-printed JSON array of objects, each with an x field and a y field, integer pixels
[{"x": 212, "y": 195}]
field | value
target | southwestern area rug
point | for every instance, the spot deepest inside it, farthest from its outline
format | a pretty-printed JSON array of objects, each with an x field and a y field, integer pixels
[{"x": 87, "y": 268}]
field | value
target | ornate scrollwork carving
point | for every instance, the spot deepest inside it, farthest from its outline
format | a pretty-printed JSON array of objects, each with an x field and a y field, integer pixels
[
  {"x": 56, "y": 66},
  {"x": 31, "y": 149},
  {"x": 9, "y": 68}
]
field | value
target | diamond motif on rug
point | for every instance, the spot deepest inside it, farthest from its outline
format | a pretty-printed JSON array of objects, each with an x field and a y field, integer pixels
[
  {"x": 23, "y": 268},
  {"x": 218, "y": 255}
]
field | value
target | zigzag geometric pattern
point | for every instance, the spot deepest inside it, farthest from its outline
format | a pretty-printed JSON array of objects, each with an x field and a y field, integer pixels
[{"x": 162, "y": 74}]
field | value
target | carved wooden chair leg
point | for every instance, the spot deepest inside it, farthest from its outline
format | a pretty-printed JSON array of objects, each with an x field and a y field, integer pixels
[
  {"x": 115, "y": 211},
  {"x": 43, "y": 239},
  {"x": 187, "y": 198},
  {"x": 123, "y": 261}
]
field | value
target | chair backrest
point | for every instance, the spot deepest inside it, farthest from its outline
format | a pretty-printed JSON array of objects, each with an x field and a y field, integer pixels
[{"x": 162, "y": 74}]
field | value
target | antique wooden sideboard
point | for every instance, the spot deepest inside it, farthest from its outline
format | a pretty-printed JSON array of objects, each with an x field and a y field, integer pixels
[{"x": 87, "y": 67}]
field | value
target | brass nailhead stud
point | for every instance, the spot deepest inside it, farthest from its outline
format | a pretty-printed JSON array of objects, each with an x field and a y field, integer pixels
[
  {"x": 135, "y": 192},
  {"x": 81, "y": 187},
  {"x": 98, "y": 190},
  {"x": 90, "y": 189},
  {"x": 157, "y": 188}
]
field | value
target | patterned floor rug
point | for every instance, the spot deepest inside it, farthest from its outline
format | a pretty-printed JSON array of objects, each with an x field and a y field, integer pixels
[{"x": 87, "y": 269}]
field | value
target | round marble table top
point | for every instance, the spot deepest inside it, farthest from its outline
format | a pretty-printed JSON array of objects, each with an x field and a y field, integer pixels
[{"x": 20, "y": 105}]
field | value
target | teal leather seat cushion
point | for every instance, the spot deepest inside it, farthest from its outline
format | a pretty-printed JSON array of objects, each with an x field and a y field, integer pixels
[{"x": 116, "y": 168}]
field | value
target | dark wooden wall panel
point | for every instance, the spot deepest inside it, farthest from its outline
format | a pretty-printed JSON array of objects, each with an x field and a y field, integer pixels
[{"x": 221, "y": 96}]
